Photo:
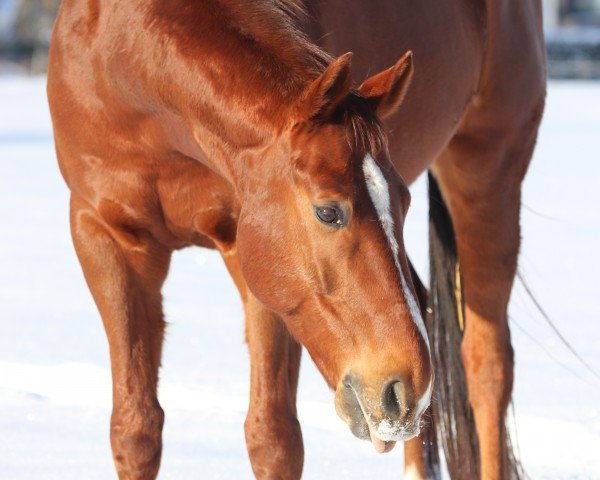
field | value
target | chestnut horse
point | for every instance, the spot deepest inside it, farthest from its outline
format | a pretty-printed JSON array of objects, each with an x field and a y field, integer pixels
[{"x": 227, "y": 124}]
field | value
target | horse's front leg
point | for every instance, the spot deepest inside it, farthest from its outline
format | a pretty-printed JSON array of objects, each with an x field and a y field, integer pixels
[
  {"x": 273, "y": 435},
  {"x": 125, "y": 274}
]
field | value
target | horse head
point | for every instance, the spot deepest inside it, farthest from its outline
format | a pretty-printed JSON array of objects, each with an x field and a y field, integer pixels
[{"x": 320, "y": 243}]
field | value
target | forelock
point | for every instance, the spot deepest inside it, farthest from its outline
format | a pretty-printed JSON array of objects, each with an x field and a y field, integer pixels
[{"x": 364, "y": 131}]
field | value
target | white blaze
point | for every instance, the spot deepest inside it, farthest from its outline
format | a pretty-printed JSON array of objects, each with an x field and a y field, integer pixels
[
  {"x": 425, "y": 399},
  {"x": 380, "y": 196}
]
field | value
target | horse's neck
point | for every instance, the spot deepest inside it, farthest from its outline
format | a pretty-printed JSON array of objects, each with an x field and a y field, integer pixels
[{"x": 247, "y": 70}]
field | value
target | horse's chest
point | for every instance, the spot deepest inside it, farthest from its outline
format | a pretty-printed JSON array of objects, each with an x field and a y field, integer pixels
[{"x": 178, "y": 201}]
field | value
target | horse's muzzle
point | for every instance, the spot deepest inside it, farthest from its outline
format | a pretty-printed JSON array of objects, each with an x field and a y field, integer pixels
[{"x": 384, "y": 414}]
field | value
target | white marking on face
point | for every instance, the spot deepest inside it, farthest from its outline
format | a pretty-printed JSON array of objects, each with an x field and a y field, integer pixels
[
  {"x": 380, "y": 196},
  {"x": 425, "y": 400}
]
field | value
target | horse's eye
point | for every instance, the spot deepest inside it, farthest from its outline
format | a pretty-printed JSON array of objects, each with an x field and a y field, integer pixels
[{"x": 330, "y": 215}]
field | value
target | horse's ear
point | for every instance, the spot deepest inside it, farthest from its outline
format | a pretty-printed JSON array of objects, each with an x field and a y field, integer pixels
[
  {"x": 387, "y": 89},
  {"x": 326, "y": 92}
]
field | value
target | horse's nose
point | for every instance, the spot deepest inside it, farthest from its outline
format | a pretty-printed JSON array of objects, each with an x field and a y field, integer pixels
[
  {"x": 393, "y": 399},
  {"x": 383, "y": 408}
]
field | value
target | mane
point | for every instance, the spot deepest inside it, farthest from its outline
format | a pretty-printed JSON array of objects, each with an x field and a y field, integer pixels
[
  {"x": 276, "y": 27},
  {"x": 306, "y": 61},
  {"x": 269, "y": 38}
]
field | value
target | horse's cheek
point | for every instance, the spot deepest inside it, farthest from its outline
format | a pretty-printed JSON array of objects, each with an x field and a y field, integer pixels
[{"x": 265, "y": 266}]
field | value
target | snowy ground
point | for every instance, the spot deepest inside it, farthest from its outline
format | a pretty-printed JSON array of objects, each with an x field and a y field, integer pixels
[{"x": 54, "y": 372}]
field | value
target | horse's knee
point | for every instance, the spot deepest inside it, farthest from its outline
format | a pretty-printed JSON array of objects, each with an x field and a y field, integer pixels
[
  {"x": 274, "y": 445},
  {"x": 136, "y": 440}
]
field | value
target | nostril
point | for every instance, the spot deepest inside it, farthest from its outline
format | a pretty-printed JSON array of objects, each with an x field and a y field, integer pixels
[
  {"x": 393, "y": 398},
  {"x": 350, "y": 382}
]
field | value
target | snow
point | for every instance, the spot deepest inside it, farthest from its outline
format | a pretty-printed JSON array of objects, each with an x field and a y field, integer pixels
[{"x": 54, "y": 370}]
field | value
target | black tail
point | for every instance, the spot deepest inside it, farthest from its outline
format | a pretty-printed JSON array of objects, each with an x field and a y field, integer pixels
[
  {"x": 452, "y": 415},
  {"x": 454, "y": 423}
]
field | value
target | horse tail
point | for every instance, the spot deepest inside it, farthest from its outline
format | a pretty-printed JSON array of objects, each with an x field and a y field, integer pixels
[{"x": 453, "y": 419}]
